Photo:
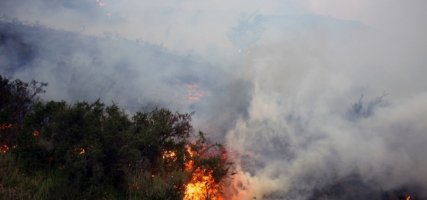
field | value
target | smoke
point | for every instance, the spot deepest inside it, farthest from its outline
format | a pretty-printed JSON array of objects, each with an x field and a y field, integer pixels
[
  {"x": 315, "y": 99},
  {"x": 333, "y": 100}
]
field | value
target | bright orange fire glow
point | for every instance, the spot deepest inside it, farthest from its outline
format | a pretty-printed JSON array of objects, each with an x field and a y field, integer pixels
[
  {"x": 6, "y": 126},
  {"x": 202, "y": 185},
  {"x": 189, "y": 163},
  {"x": 4, "y": 148},
  {"x": 82, "y": 151},
  {"x": 36, "y": 133},
  {"x": 169, "y": 156},
  {"x": 408, "y": 197}
]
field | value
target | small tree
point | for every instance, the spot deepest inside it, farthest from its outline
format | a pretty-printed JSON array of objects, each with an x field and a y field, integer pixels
[{"x": 16, "y": 100}]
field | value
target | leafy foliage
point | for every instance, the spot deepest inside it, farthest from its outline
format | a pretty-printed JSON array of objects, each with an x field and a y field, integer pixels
[{"x": 94, "y": 151}]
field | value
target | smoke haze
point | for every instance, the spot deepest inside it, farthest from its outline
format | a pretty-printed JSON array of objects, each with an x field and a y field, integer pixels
[{"x": 315, "y": 99}]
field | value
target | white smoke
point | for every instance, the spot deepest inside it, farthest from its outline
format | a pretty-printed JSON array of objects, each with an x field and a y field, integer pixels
[
  {"x": 305, "y": 93},
  {"x": 332, "y": 99}
]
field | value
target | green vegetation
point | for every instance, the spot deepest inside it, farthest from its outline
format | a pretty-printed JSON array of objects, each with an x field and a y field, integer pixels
[{"x": 54, "y": 150}]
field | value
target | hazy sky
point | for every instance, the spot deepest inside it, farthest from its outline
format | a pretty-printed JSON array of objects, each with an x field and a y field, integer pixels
[
  {"x": 194, "y": 25},
  {"x": 306, "y": 93}
]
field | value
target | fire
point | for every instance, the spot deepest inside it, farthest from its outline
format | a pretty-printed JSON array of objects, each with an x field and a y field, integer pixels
[
  {"x": 169, "y": 156},
  {"x": 82, "y": 151},
  {"x": 202, "y": 184},
  {"x": 408, "y": 197},
  {"x": 4, "y": 148},
  {"x": 194, "y": 92},
  {"x": 36, "y": 133},
  {"x": 189, "y": 163},
  {"x": 6, "y": 126}
]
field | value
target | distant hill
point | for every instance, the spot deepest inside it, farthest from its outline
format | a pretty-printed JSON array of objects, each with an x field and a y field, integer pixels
[
  {"x": 79, "y": 67},
  {"x": 134, "y": 74}
]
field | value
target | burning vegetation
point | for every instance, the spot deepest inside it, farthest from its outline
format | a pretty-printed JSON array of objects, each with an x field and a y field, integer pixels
[
  {"x": 207, "y": 168},
  {"x": 93, "y": 151}
]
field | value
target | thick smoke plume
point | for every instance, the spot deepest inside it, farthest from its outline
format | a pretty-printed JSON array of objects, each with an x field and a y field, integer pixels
[{"x": 315, "y": 99}]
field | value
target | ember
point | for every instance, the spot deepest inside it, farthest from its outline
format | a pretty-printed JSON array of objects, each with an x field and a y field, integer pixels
[
  {"x": 36, "y": 133},
  {"x": 82, "y": 151},
  {"x": 6, "y": 126},
  {"x": 169, "y": 156},
  {"x": 4, "y": 148}
]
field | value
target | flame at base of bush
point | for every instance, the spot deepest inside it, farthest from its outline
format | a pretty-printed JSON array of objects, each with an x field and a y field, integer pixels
[{"x": 202, "y": 184}]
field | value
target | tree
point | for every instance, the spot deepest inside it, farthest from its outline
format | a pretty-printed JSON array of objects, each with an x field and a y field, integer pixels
[
  {"x": 93, "y": 151},
  {"x": 16, "y": 100}
]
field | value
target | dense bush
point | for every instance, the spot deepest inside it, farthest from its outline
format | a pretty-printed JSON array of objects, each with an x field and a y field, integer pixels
[{"x": 54, "y": 150}]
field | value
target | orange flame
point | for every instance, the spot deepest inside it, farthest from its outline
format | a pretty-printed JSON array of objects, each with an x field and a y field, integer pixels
[
  {"x": 36, "y": 133},
  {"x": 408, "y": 197},
  {"x": 4, "y": 148},
  {"x": 6, "y": 126},
  {"x": 194, "y": 92},
  {"x": 82, "y": 151},
  {"x": 202, "y": 184},
  {"x": 169, "y": 156},
  {"x": 189, "y": 163}
]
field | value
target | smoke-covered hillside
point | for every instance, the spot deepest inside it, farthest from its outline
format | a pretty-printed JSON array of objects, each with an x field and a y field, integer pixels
[
  {"x": 134, "y": 74},
  {"x": 316, "y": 99}
]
